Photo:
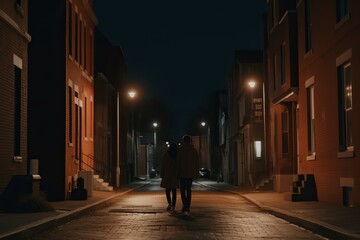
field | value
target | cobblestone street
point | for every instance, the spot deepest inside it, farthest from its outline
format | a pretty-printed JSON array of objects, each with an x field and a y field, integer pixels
[{"x": 214, "y": 215}]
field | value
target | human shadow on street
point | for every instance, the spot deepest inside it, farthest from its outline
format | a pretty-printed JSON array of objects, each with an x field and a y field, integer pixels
[{"x": 183, "y": 216}]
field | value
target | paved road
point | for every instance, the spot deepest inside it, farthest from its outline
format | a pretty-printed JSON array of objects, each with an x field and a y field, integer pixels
[{"x": 214, "y": 215}]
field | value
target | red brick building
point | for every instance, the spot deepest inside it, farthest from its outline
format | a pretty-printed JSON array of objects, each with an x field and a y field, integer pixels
[
  {"x": 312, "y": 52},
  {"x": 61, "y": 92},
  {"x": 282, "y": 86},
  {"x": 14, "y": 40},
  {"x": 329, "y": 94}
]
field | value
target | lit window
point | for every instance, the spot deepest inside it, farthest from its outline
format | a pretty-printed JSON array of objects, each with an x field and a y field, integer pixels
[
  {"x": 345, "y": 106},
  {"x": 258, "y": 149}
]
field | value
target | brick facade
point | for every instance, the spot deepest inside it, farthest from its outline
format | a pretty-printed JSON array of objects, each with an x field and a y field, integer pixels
[
  {"x": 14, "y": 40},
  {"x": 61, "y": 92},
  {"x": 333, "y": 43},
  {"x": 312, "y": 52}
]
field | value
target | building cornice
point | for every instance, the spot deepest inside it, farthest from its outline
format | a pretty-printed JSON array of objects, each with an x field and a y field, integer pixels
[{"x": 14, "y": 26}]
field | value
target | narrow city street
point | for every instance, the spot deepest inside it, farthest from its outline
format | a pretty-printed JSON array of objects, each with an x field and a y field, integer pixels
[{"x": 142, "y": 214}]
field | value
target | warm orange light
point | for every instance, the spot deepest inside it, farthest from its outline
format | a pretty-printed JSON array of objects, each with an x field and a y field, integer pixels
[
  {"x": 132, "y": 94},
  {"x": 252, "y": 83}
]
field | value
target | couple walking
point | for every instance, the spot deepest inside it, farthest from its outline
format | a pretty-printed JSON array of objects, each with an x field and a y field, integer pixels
[{"x": 179, "y": 167}]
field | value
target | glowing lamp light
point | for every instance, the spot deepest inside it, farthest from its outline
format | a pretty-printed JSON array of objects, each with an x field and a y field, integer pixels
[
  {"x": 132, "y": 94},
  {"x": 252, "y": 83}
]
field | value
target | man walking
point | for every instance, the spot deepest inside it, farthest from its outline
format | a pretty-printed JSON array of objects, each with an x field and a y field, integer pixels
[{"x": 188, "y": 169}]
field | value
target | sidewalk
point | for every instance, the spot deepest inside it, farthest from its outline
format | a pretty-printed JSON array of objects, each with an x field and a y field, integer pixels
[
  {"x": 333, "y": 221},
  {"x": 21, "y": 226},
  {"x": 329, "y": 220}
]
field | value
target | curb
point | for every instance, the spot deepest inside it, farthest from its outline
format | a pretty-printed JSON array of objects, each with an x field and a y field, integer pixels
[
  {"x": 26, "y": 231},
  {"x": 316, "y": 226}
]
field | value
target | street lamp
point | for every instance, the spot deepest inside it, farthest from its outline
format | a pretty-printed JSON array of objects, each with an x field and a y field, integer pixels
[
  {"x": 155, "y": 124},
  {"x": 203, "y": 124},
  {"x": 132, "y": 95},
  {"x": 259, "y": 113},
  {"x": 252, "y": 83}
]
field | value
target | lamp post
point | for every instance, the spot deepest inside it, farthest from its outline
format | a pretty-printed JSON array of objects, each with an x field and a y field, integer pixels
[
  {"x": 259, "y": 113},
  {"x": 132, "y": 95},
  {"x": 118, "y": 141},
  {"x": 203, "y": 124},
  {"x": 155, "y": 124},
  {"x": 252, "y": 85}
]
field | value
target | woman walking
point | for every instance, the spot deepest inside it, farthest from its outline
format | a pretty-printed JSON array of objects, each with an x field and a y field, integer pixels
[{"x": 169, "y": 179}]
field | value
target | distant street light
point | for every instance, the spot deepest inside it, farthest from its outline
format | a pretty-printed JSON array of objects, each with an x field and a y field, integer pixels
[
  {"x": 251, "y": 83},
  {"x": 132, "y": 95},
  {"x": 203, "y": 124},
  {"x": 154, "y": 153}
]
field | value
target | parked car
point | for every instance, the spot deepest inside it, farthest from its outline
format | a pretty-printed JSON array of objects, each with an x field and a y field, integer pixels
[{"x": 204, "y": 173}]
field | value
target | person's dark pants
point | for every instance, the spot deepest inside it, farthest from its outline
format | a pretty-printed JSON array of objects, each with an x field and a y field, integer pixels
[
  {"x": 185, "y": 190},
  {"x": 171, "y": 199}
]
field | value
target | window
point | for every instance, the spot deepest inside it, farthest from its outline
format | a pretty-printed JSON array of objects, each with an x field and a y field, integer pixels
[
  {"x": 310, "y": 116},
  {"x": 86, "y": 118},
  {"x": 307, "y": 26},
  {"x": 275, "y": 76},
  {"x": 76, "y": 36},
  {"x": 91, "y": 53},
  {"x": 283, "y": 65},
  {"x": 257, "y": 145},
  {"x": 84, "y": 46},
  {"x": 345, "y": 106},
  {"x": 70, "y": 36},
  {"x": 91, "y": 118},
  {"x": 77, "y": 127},
  {"x": 70, "y": 116},
  {"x": 342, "y": 9},
  {"x": 17, "y": 112},
  {"x": 81, "y": 43},
  {"x": 18, "y": 65},
  {"x": 285, "y": 132}
]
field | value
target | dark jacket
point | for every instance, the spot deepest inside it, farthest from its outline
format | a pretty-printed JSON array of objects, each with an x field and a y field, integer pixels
[
  {"x": 168, "y": 172},
  {"x": 188, "y": 161}
]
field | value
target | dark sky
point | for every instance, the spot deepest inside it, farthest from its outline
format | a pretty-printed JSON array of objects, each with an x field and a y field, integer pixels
[{"x": 181, "y": 51}]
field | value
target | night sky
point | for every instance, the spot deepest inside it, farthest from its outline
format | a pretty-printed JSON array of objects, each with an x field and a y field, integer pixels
[{"x": 181, "y": 51}]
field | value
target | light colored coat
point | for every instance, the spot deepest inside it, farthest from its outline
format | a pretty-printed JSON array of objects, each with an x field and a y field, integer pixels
[
  {"x": 168, "y": 172},
  {"x": 188, "y": 161}
]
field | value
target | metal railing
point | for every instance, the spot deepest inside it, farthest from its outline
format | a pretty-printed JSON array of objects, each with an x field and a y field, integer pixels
[{"x": 99, "y": 167}]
